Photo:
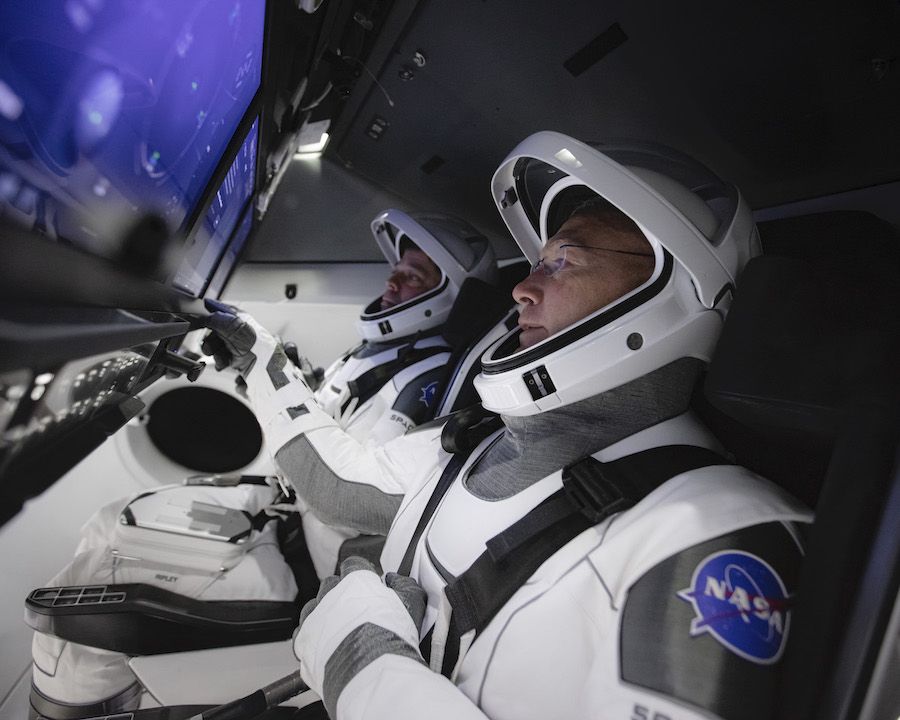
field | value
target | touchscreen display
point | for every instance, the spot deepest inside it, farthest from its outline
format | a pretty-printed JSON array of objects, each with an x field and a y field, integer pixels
[
  {"x": 206, "y": 245},
  {"x": 109, "y": 110}
]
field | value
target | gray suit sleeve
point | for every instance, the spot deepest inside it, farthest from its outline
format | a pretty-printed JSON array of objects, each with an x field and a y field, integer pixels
[{"x": 336, "y": 500}]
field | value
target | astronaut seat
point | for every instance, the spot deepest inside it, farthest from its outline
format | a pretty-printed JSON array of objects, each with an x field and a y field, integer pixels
[{"x": 805, "y": 392}]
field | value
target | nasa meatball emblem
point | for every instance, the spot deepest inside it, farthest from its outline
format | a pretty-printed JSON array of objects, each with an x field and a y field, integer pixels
[{"x": 742, "y": 602}]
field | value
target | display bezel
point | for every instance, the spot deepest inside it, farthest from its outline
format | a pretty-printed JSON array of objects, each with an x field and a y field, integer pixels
[{"x": 198, "y": 215}]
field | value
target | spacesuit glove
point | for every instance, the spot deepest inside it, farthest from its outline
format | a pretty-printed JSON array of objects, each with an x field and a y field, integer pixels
[
  {"x": 236, "y": 340},
  {"x": 273, "y": 384},
  {"x": 355, "y": 619}
]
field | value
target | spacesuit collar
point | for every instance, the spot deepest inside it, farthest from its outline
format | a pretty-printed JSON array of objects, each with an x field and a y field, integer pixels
[{"x": 534, "y": 446}]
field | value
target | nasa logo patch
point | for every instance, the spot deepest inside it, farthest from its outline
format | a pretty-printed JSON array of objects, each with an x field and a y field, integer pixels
[
  {"x": 428, "y": 392},
  {"x": 742, "y": 602}
]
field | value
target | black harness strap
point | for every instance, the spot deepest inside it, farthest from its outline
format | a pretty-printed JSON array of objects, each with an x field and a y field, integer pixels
[
  {"x": 254, "y": 480},
  {"x": 370, "y": 382},
  {"x": 443, "y": 484},
  {"x": 592, "y": 491},
  {"x": 461, "y": 435}
]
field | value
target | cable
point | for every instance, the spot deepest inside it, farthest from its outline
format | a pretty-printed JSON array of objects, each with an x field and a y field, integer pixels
[{"x": 374, "y": 79}]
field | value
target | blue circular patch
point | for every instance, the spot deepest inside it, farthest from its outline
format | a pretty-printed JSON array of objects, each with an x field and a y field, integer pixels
[{"x": 740, "y": 600}]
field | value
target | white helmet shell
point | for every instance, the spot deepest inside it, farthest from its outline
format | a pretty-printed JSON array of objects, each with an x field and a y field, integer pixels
[
  {"x": 701, "y": 232},
  {"x": 458, "y": 250}
]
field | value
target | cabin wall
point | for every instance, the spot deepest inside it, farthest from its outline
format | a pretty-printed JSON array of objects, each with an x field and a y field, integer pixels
[
  {"x": 322, "y": 212},
  {"x": 327, "y": 299}
]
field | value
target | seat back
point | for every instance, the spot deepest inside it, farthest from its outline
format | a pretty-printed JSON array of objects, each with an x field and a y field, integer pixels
[
  {"x": 804, "y": 389},
  {"x": 480, "y": 316}
]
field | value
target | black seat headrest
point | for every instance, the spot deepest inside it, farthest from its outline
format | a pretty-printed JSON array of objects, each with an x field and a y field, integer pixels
[
  {"x": 799, "y": 344},
  {"x": 853, "y": 243},
  {"x": 804, "y": 342},
  {"x": 478, "y": 307}
]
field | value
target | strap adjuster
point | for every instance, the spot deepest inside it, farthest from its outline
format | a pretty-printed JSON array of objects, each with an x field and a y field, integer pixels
[{"x": 597, "y": 491}]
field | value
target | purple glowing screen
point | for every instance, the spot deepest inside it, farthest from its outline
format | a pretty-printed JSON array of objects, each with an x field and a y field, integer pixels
[
  {"x": 206, "y": 246},
  {"x": 110, "y": 109}
]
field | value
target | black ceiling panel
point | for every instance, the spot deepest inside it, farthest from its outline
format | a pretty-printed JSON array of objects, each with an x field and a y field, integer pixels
[{"x": 787, "y": 100}]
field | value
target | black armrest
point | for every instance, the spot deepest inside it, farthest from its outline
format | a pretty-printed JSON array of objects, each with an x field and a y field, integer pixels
[
  {"x": 173, "y": 712},
  {"x": 139, "y": 619}
]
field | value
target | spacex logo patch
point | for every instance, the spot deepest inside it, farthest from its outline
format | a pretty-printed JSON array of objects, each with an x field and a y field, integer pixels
[
  {"x": 740, "y": 600},
  {"x": 428, "y": 392}
]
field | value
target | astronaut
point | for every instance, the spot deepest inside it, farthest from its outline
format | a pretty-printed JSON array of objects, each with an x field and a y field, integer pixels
[
  {"x": 388, "y": 384},
  {"x": 384, "y": 387},
  {"x": 597, "y": 556},
  {"x": 392, "y": 381}
]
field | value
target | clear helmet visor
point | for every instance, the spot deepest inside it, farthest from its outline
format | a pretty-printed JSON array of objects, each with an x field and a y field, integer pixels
[
  {"x": 674, "y": 200},
  {"x": 698, "y": 228},
  {"x": 456, "y": 249}
]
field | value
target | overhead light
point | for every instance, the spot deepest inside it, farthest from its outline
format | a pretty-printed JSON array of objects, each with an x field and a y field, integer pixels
[{"x": 313, "y": 148}]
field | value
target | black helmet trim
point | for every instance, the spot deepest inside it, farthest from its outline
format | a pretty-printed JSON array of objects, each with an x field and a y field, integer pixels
[{"x": 492, "y": 367}]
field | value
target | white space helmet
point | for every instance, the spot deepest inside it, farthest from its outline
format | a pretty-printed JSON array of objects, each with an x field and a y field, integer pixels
[
  {"x": 702, "y": 235},
  {"x": 458, "y": 250}
]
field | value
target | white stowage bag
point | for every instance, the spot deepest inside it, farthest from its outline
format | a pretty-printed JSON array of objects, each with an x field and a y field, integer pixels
[{"x": 73, "y": 673}]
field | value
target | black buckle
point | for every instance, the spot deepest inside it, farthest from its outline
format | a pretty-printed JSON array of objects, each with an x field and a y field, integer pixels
[{"x": 596, "y": 491}]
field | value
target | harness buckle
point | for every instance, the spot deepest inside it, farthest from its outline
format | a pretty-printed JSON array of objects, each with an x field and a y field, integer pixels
[{"x": 596, "y": 490}]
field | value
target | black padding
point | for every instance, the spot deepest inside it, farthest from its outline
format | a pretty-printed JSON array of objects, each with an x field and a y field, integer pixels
[
  {"x": 174, "y": 712},
  {"x": 592, "y": 491},
  {"x": 42, "y": 706},
  {"x": 292, "y": 543},
  {"x": 802, "y": 341},
  {"x": 204, "y": 429},
  {"x": 804, "y": 389},
  {"x": 368, "y": 384},
  {"x": 857, "y": 245},
  {"x": 512, "y": 274},
  {"x": 139, "y": 619},
  {"x": 825, "y": 653},
  {"x": 364, "y": 546},
  {"x": 798, "y": 344},
  {"x": 477, "y": 308}
]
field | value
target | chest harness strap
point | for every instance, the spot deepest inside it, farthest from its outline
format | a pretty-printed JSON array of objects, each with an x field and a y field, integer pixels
[
  {"x": 370, "y": 382},
  {"x": 463, "y": 432},
  {"x": 592, "y": 491}
]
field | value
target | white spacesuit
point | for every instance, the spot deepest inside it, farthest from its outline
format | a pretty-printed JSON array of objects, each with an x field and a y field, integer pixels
[
  {"x": 398, "y": 377},
  {"x": 670, "y": 601},
  {"x": 403, "y": 339},
  {"x": 182, "y": 538}
]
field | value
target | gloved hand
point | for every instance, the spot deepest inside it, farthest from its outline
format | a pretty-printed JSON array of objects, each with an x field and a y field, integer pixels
[
  {"x": 236, "y": 339},
  {"x": 355, "y": 619}
]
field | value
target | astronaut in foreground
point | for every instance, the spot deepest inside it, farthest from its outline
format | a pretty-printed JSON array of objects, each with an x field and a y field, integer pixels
[{"x": 597, "y": 556}]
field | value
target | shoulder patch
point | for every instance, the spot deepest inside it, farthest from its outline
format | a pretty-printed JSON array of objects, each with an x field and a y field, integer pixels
[
  {"x": 742, "y": 602},
  {"x": 707, "y": 626},
  {"x": 418, "y": 399},
  {"x": 428, "y": 391}
]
